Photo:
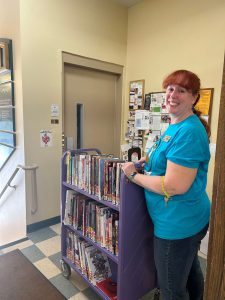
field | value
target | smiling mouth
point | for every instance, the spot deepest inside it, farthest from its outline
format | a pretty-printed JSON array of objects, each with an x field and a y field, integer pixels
[{"x": 173, "y": 103}]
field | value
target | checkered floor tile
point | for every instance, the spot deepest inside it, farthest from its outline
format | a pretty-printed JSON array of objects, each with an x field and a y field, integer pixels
[{"x": 43, "y": 250}]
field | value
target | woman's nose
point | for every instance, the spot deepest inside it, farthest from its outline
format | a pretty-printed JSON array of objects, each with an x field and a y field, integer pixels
[{"x": 174, "y": 94}]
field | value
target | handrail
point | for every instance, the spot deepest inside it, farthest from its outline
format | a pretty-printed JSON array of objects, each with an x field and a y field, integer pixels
[{"x": 32, "y": 168}]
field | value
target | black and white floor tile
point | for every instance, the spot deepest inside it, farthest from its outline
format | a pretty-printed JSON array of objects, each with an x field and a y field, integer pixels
[{"x": 43, "y": 249}]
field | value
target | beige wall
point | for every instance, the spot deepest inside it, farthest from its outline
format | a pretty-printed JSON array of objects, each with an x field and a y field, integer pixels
[
  {"x": 92, "y": 28},
  {"x": 166, "y": 36},
  {"x": 160, "y": 38},
  {"x": 13, "y": 211}
]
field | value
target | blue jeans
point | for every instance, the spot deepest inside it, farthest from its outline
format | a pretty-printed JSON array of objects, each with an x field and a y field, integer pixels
[{"x": 178, "y": 269}]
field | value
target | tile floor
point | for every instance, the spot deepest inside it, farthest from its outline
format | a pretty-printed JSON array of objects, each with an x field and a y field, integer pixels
[{"x": 43, "y": 249}]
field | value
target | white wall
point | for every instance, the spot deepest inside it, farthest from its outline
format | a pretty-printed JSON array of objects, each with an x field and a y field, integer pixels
[
  {"x": 181, "y": 34},
  {"x": 13, "y": 210},
  {"x": 92, "y": 28}
]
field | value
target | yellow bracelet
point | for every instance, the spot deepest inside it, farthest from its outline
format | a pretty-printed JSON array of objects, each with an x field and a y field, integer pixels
[{"x": 167, "y": 196}]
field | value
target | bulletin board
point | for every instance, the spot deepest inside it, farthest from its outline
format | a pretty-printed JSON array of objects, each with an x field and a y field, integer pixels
[
  {"x": 155, "y": 117},
  {"x": 149, "y": 118},
  {"x": 136, "y": 94}
]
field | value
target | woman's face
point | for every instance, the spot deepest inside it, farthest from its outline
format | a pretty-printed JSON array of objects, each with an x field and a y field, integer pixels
[{"x": 179, "y": 100}]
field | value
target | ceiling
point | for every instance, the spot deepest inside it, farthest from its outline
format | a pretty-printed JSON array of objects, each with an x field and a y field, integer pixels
[{"x": 127, "y": 3}]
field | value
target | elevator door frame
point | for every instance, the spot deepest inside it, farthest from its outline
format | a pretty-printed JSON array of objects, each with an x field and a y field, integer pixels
[{"x": 98, "y": 65}]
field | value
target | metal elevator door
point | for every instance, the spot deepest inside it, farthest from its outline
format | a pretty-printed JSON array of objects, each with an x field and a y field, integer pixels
[{"x": 90, "y": 109}]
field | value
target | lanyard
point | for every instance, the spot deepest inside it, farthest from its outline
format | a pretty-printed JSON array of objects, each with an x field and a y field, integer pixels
[{"x": 150, "y": 155}]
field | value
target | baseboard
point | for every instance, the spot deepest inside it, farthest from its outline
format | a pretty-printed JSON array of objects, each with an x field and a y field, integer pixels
[
  {"x": 34, "y": 227},
  {"x": 42, "y": 224},
  {"x": 13, "y": 243}
]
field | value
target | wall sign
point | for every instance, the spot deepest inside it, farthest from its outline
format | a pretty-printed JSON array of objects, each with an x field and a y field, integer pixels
[{"x": 45, "y": 138}]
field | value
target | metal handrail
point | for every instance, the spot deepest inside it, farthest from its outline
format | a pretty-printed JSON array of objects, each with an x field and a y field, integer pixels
[{"x": 32, "y": 168}]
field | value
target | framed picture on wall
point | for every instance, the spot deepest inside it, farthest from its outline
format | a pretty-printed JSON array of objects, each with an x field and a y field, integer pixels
[
  {"x": 136, "y": 94},
  {"x": 204, "y": 104}
]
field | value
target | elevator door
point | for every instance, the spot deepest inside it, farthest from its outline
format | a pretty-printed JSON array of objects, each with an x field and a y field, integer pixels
[{"x": 93, "y": 94}]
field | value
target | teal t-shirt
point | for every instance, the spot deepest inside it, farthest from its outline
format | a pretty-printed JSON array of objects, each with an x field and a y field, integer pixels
[{"x": 186, "y": 144}]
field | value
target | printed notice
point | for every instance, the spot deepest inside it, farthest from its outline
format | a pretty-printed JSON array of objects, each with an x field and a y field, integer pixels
[
  {"x": 46, "y": 138},
  {"x": 54, "y": 110},
  {"x": 142, "y": 119}
]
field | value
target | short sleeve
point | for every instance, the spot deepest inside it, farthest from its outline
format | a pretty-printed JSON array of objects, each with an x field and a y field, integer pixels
[{"x": 189, "y": 148}]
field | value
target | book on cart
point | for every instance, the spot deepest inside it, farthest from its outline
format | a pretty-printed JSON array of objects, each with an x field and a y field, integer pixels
[
  {"x": 98, "y": 265},
  {"x": 109, "y": 287},
  {"x": 97, "y": 174}
]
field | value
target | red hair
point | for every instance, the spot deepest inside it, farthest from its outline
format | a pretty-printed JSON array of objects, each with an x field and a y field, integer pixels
[
  {"x": 184, "y": 78},
  {"x": 191, "y": 82}
]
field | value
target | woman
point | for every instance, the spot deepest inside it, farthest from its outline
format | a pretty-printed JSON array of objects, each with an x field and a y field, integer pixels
[{"x": 174, "y": 179}]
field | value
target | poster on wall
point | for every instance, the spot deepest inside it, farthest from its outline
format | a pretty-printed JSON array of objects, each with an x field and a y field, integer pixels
[{"x": 204, "y": 104}]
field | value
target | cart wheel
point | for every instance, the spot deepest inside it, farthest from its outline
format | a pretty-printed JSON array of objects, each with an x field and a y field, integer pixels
[
  {"x": 66, "y": 270},
  {"x": 157, "y": 294}
]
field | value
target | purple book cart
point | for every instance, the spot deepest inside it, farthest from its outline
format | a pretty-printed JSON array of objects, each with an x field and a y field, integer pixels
[{"x": 133, "y": 269}]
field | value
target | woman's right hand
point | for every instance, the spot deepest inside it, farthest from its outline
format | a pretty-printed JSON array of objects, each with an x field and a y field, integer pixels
[{"x": 140, "y": 163}]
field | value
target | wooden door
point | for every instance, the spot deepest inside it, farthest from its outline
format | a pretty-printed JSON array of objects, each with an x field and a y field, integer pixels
[{"x": 215, "y": 275}]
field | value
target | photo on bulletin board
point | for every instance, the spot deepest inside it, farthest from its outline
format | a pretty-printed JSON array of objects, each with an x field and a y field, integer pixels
[
  {"x": 147, "y": 101},
  {"x": 204, "y": 104},
  {"x": 136, "y": 94},
  {"x": 158, "y": 104}
]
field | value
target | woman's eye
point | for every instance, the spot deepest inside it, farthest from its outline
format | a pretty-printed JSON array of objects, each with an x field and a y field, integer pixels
[{"x": 170, "y": 89}]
